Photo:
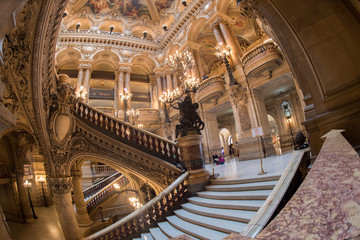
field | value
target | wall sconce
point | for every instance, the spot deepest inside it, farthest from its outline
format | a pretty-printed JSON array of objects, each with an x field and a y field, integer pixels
[
  {"x": 77, "y": 27},
  {"x": 27, "y": 186},
  {"x": 184, "y": 3},
  {"x": 145, "y": 33},
  {"x": 111, "y": 29},
  {"x": 165, "y": 27},
  {"x": 65, "y": 14}
]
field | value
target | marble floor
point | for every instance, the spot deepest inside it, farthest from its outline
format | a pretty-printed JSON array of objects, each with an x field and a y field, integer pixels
[
  {"x": 235, "y": 169},
  {"x": 47, "y": 225}
]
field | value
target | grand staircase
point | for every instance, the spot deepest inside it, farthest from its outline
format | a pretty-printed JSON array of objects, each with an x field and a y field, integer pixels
[{"x": 224, "y": 207}]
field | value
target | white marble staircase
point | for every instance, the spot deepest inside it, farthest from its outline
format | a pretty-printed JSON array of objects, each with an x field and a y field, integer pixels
[{"x": 224, "y": 207}]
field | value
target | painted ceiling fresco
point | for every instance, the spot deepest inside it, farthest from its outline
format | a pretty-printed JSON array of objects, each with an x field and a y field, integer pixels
[
  {"x": 128, "y": 8},
  {"x": 162, "y": 4}
]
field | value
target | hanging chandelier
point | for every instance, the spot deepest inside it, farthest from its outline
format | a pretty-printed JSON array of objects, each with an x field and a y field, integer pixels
[{"x": 180, "y": 61}]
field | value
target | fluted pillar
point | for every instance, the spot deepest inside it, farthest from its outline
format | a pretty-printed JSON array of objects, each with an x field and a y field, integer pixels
[
  {"x": 198, "y": 63},
  {"x": 23, "y": 197},
  {"x": 61, "y": 188},
  {"x": 158, "y": 85},
  {"x": 79, "y": 79},
  {"x": 82, "y": 214},
  {"x": 154, "y": 92},
  {"x": 230, "y": 42},
  {"x": 174, "y": 80},
  {"x": 218, "y": 36},
  {"x": 87, "y": 81},
  {"x": 168, "y": 81}
]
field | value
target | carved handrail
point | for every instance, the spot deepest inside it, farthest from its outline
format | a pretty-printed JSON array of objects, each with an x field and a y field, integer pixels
[
  {"x": 210, "y": 81},
  {"x": 103, "y": 183},
  {"x": 258, "y": 50},
  {"x": 92, "y": 202},
  {"x": 98, "y": 169},
  {"x": 108, "y": 110},
  {"x": 139, "y": 138},
  {"x": 147, "y": 215}
]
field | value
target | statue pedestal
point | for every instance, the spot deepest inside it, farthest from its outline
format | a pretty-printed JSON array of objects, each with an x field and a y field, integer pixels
[{"x": 192, "y": 160}]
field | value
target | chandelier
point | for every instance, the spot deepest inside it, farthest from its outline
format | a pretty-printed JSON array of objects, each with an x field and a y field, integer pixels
[{"x": 180, "y": 60}]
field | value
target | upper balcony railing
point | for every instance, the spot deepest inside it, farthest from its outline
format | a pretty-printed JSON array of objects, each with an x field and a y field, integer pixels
[
  {"x": 86, "y": 36},
  {"x": 136, "y": 137},
  {"x": 264, "y": 57},
  {"x": 151, "y": 212},
  {"x": 212, "y": 87}
]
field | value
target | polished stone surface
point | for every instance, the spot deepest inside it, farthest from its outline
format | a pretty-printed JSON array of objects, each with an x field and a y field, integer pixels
[
  {"x": 46, "y": 227},
  {"x": 235, "y": 169}
]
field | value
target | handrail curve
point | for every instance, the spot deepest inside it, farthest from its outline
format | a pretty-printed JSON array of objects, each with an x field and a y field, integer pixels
[
  {"x": 146, "y": 215},
  {"x": 94, "y": 188},
  {"x": 137, "y": 137}
]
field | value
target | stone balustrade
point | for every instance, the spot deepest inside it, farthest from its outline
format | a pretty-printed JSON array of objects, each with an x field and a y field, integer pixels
[
  {"x": 96, "y": 187},
  {"x": 108, "y": 110},
  {"x": 210, "y": 88},
  {"x": 133, "y": 136},
  {"x": 150, "y": 213},
  {"x": 264, "y": 58},
  {"x": 102, "y": 169},
  {"x": 100, "y": 196},
  {"x": 116, "y": 39}
]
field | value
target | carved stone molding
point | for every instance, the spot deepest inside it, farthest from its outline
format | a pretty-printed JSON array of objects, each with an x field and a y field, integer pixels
[{"x": 60, "y": 185}]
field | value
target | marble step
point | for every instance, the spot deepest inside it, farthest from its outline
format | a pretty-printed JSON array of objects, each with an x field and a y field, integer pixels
[
  {"x": 228, "y": 214},
  {"x": 137, "y": 238},
  {"x": 268, "y": 185},
  {"x": 146, "y": 236},
  {"x": 242, "y": 195},
  {"x": 195, "y": 230},
  {"x": 158, "y": 234},
  {"x": 222, "y": 225},
  {"x": 247, "y": 180},
  {"x": 171, "y": 231},
  {"x": 251, "y": 205}
]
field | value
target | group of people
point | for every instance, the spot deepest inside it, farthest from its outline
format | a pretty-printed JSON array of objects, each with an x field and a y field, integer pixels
[{"x": 218, "y": 159}]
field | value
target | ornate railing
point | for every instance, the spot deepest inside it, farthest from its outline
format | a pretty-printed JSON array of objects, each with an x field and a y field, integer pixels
[
  {"x": 129, "y": 134},
  {"x": 108, "y": 110},
  {"x": 155, "y": 209},
  {"x": 104, "y": 193},
  {"x": 210, "y": 81},
  {"x": 102, "y": 169},
  {"x": 95, "y": 188},
  {"x": 265, "y": 47}
]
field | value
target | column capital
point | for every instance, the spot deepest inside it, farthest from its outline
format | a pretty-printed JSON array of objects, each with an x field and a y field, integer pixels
[
  {"x": 76, "y": 173},
  {"x": 85, "y": 65},
  {"x": 60, "y": 185},
  {"x": 218, "y": 18}
]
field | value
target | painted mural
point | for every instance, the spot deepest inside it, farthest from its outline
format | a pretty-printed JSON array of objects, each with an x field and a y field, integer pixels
[
  {"x": 128, "y": 8},
  {"x": 210, "y": 43},
  {"x": 239, "y": 24},
  {"x": 162, "y": 4}
]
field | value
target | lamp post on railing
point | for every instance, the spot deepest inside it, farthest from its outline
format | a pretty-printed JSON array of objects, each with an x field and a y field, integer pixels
[
  {"x": 125, "y": 97},
  {"x": 134, "y": 114},
  {"x": 223, "y": 52},
  {"x": 27, "y": 185},
  {"x": 41, "y": 180}
]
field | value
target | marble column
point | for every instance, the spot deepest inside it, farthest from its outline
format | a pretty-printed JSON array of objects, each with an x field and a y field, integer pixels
[
  {"x": 198, "y": 63},
  {"x": 218, "y": 36},
  {"x": 61, "y": 189},
  {"x": 153, "y": 93},
  {"x": 230, "y": 42},
  {"x": 119, "y": 90},
  {"x": 23, "y": 197},
  {"x": 127, "y": 85},
  {"x": 192, "y": 159},
  {"x": 87, "y": 82},
  {"x": 79, "y": 80},
  {"x": 236, "y": 119},
  {"x": 158, "y": 85},
  {"x": 174, "y": 80},
  {"x": 168, "y": 81},
  {"x": 82, "y": 214}
]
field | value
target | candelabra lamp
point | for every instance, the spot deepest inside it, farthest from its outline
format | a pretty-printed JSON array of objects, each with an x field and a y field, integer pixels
[
  {"x": 41, "y": 180},
  {"x": 134, "y": 114},
  {"x": 223, "y": 52},
  {"x": 27, "y": 185},
  {"x": 125, "y": 97}
]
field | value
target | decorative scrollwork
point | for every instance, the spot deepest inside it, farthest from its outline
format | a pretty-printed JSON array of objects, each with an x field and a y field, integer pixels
[{"x": 60, "y": 185}]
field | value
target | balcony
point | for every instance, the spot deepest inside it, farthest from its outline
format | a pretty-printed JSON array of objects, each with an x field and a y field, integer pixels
[
  {"x": 211, "y": 88},
  {"x": 262, "y": 60},
  {"x": 149, "y": 118}
]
